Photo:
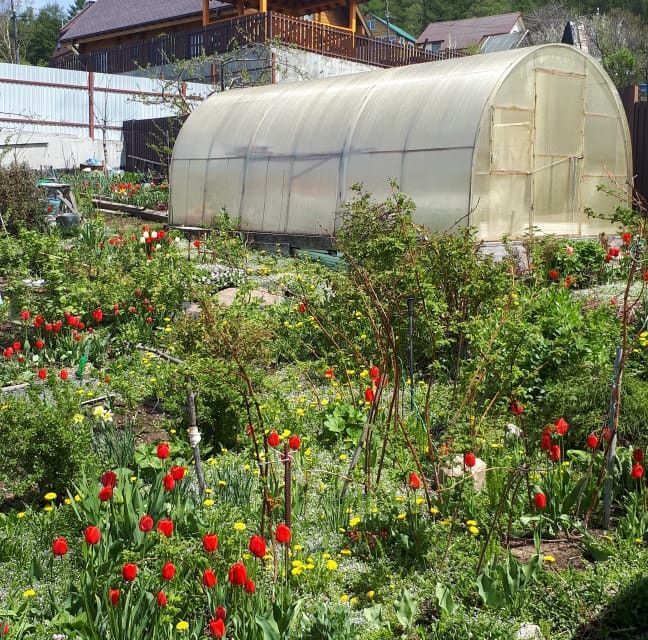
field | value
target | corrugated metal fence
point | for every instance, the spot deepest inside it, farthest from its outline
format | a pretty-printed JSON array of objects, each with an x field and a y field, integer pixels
[
  {"x": 78, "y": 104},
  {"x": 636, "y": 108}
]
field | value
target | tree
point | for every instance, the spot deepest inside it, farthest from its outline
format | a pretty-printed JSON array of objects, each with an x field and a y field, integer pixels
[
  {"x": 40, "y": 33},
  {"x": 75, "y": 7}
]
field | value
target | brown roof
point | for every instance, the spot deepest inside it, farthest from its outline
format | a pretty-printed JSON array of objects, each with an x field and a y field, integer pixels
[
  {"x": 105, "y": 16},
  {"x": 464, "y": 33}
]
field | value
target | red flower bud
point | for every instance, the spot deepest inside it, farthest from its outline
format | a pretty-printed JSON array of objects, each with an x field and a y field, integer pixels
[
  {"x": 637, "y": 471},
  {"x": 161, "y": 599},
  {"x": 209, "y": 579},
  {"x": 165, "y": 528},
  {"x": 168, "y": 571},
  {"x": 129, "y": 571},
  {"x": 109, "y": 479},
  {"x": 238, "y": 574},
  {"x": 414, "y": 481},
  {"x": 217, "y": 628},
  {"x": 562, "y": 426},
  {"x": 146, "y": 523},
  {"x": 257, "y": 546},
  {"x": 294, "y": 442},
  {"x": 592, "y": 441},
  {"x": 178, "y": 473},
  {"x": 169, "y": 482},
  {"x": 250, "y": 587},
  {"x": 64, "y": 374},
  {"x": 113, "y": 596},
  {"x": 369, "y": 395},
  {"x": 163, "y": 451},
  {"x": 554, "y": 453},
  {"x": 540, "y": 500},
  {"x": 210, "y": 542},
  {"x": 273, "y": 439},
  {"x": 470, "y": 459},
  {"x": 283, "y": 534},
  {"x": 92, "y": 535},
  {"x": 59, "y": 547},
  {"x": 106, "y": 493},
  {"x": 42, "y": 374}
]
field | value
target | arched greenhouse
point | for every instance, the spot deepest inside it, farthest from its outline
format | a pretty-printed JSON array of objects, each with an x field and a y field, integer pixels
[{"x": 503, "y": 142}]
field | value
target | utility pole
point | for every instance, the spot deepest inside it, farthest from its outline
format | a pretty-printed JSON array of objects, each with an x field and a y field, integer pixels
[
  {"x": 14, "y": 33},
  {"x": 387, "y": 17}
]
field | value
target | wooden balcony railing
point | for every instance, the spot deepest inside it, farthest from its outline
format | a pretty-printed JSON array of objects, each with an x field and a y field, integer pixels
[{"x": 228, "y": 35}]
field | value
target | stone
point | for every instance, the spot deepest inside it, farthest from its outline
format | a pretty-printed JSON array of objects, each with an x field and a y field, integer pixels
[
  {"x": 478, "y": 472},
  {"x": 529, "y": 631}
]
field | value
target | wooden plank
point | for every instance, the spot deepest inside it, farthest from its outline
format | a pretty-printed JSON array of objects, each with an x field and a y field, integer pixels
[{"x": 205, "y": 13}]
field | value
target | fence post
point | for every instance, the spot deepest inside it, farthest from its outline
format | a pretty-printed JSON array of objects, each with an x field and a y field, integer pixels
[{"x": 91, "y": 117}]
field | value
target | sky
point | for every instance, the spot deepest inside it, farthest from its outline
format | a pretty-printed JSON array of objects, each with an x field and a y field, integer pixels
[{"x": 37, "y": 4}]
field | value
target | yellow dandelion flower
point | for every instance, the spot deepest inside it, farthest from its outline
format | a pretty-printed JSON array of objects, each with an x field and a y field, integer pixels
[
  {"x": 343, "y": 457},
  {"x": 67, "y": 501},
  {"x": 48, "y": 508},
  {"x": 371, "y": 594},
  {"x": 474, "y": 530},
  {"x": 183, "y": 625},
  {"x": 50, "y": 496},
  {"x": 29, "y": 593},
  {"x": 324, "y": 402},
  {"x": 549, "y": 558},
  {"x": 21, "y": 514},
  {"x": 354, "y": 522},
  {"x": 285, "y": 433},
  {"x": 420, "y": 500},
  {"x": 209, "y": 490},
  {"x": 208, "y": 502},
  {"x": 401, "y": 516},
  {"x": 364, "y": 373},
  {"x": 246, "y": 467},
  {"x": 331, "y": 565},
  {"x": 297, "y": 571},
  {"x": 77, "y": 418},
  {"x": 239, "y": 526},
  {"x": 298, "y": 547},
  {"x": 222, "y": 483},
  {"x": 638, "y": 540},
  {"x": 345, "y": 552},
  {"x": 344, "y": 598},
  {"x": 471, "y": 523},
  {"x": 326, "y": 556},
  {"x": 77, "y": 498}
]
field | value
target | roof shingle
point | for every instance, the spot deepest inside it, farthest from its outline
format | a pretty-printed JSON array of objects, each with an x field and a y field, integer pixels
[
  {"x": 464, "y": 33},
  {"x": 105, "y": 16}
]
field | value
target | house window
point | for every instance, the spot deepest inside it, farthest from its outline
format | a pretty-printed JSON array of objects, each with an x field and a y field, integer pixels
[
  {"x": 195, "y": 45},
  {"x": 433, "y": 46},
  {"x": 371, "y": 25}
]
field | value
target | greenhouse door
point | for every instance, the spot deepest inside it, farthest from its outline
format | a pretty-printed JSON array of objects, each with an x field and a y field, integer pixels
[{"x": 558, "y": 151}]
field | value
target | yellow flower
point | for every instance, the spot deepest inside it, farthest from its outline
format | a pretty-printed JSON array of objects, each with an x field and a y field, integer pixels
[
  {"x": 354, "y": 600},
  {"x": 326, "y": 556},
  {"x": 300, "y": 412},
  {"x": 172, "y": 432},
  {"x": 208, "y": 502},
  {"x": 497, "y": 445},
  {"x": 285, "y": 433},
  {"x": 50, "y": 496},
  {"x": 246, "y": 467},
  {"x": 239, "y": 526},
  {"x": 308, "y": 452},
  {"x": 298, "y": 547},
  {"x": 474, "y": 530},
  {"x": 133, "y": 478},
  {"x": 331, "y": 565},
  {"x": 324, "y": 402},
  {"x": 364, "y": 373},
  {"x": 67, "y": 501},
  {"x": 399, "y": 499},
  {"x": 344, "y": 598},
  {"x": 21, "y": 514},
  {"x": 471, "y": 523},
  {"x": 77, "y": 418},
  {"x": 420, "y": 500},
  {"x": 296, "y": 571},
  {"x": 639, "y": 540},
  {"x": 183, "y": 625},
  {"x": 354, "y": 522},
  {"x": 209, "y": 490},
  {"x": 345, "y": 552},
  {"x": 167, "y": 329},
  {"x": 371, "y": 594},
  {"x": 343, "y": 457},
  {"x": 48, "y": 508},
  {"x": 549, "y": 558},
  {"x": 309, "y": 566},
  {"x": 77, "y": 498},
  {"x": 401, "y": 516},
  {"x": 29, "y": 593},
  {"x": 222, "y": 483}
]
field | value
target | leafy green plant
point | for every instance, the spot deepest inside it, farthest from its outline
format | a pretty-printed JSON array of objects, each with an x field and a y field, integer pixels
[{"x": 500, "y": 583}]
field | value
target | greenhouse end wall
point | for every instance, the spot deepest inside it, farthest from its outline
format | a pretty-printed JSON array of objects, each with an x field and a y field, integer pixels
[{"x": 505, "y": 142}]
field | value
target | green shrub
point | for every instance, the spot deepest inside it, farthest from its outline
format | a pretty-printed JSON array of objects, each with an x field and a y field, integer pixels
[
  {"x": 20, "y": 200},
  {"x": 43, "y": 449}
]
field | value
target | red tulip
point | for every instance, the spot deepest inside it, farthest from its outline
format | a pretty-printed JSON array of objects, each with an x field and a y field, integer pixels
[
  {"x": 17, "y": 346},
  {"x": 197, "y": 243},
  {"x": 92, "y": 535},
  {"x": 369, "y": 395},
  {"x": 168, "y": 571},
  {"x": 374, "y": 373},
  {"x": 217, "y": 628},
  {"x": 294, "y": 442},
  {"x": 607, "y": 434},
  {"x": 146, "y": 523},
  {"x": 257, "y": 546},
  {"x": 302, "y": 307},
  {"x": 4, "y": 629},
  {"x": 637, "y": 471},
  {"x": 24, "y": 315},
  {"x": 250, "y": 587},
  {"x": 626, "y": 237},
  {"x": 64, "y": 374},
  {"x": 545, "y": 440},
  {"x": 210, "y": 542},
  {"x": 554, "y": 453},
  {"x": 414, "y": 481},
  {"x": 209, "y": 579},
  {"x": 113, "y": 596},
  {"x": 39, "y": 344},
  {"x": 517, "y": 408},
  {"x": 273, "y": 439},
  {"x": 109, "y": 479},
  {"x": 592, "y": 441},
  {"x": 178, "y": 473},
  {"x": 238, "y": 574},
  {"x": 554, "y": 274},
  {"x": 8, "y": 352},
  {"x": 49, "y": 326},
  {"x": 283, "y": 534},
  {"x": 329, "y": 372},
  {"x": 540, "y": 500},
  {"x": 168, "y": 482},
  {"x": 163, "y": 451},
  {"x": 161, "y": 599},
  {"x": 42, "y": 374},
  {"x": 129, "y": 571},
  {"x": 59, "y": 547},
  {"x": 469, "y": 459},
  {"x": 97, "y": 315},
  {"x": 637, "y": 455},
  {"x": 562, "y": 426},
  {"x": 106, "y": 494},
  {"x": 165, "y": 528},
  {"x": 220, "y": 613},
  {"x": 39, "y": 320}
]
